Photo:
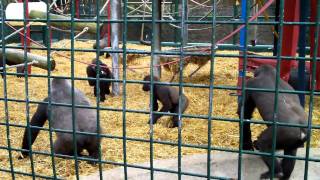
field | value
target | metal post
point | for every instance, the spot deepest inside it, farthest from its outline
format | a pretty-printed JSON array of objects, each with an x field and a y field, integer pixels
[
  {"x": 302, "y": 50},
  {"x": 276, "y": 28},
  {"x": 115, "y": 32},
  {"x": 157, "y": 37},
  {"x": 21, "y": 69}
]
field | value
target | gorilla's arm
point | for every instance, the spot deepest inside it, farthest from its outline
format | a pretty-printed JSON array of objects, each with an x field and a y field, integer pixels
[
  {"x": 155, "y": 103},
  {"x": 38, "y": 119},
  {"x": 249, "y": 106},
  {"x": 91, "y": 72},
  {"x": 163, "y": 96}
]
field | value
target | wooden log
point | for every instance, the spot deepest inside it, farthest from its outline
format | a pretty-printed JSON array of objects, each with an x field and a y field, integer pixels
[
  {"x": 77, "y": 25},
  {"x": 17, "y": 57}
]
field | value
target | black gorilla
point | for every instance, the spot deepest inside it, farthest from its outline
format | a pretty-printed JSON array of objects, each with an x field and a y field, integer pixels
[
  {"x": 61, "y": 118},
  {"x": 289, "y": 111},
  {"x": 104, "y": 73},
  {"x": 169, "y": 98},
  {"x": 294, "y": 79}
]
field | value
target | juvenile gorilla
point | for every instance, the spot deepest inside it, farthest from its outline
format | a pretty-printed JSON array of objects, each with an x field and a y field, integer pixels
[
  {"x": 61, "y": 118},
  {"x": 103, "y": 73},
  {"x": 289, "y": 111},
  {"x": 169, "y": 98}
]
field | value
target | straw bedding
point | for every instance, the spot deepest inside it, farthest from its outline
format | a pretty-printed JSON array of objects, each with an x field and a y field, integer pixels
[{"x": 195, "y": 131}]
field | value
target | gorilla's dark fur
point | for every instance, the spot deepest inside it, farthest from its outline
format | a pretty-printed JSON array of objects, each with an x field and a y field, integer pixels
[
  {"x": 61, "y": 118},
  {"x": 104, "y": 73},
  {"x": 289, "y": 111},
  {"x": 169, "y": 98}
]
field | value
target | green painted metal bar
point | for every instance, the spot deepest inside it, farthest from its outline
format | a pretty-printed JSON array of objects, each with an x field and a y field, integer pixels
[
  {"x": 48, "y": 48},
  {"x": 25, "y": 75},
  {"x": 98, "y": 70},
  {"x": 313, "y": 88},
  {"x": 183, "y": 43},
  {"x": 74, "y": 135},
  {"x": 124, "y": 87},
  {"x": 152, "y": 73},
  {"x": 211, "y": 95},
  {"x": 5, "y": 93},
  {"x": 277, "y": 82},
  {"x": 243, "y": 49}
]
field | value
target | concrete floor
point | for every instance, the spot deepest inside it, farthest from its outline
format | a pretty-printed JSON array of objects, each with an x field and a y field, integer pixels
[{"x": 223, "y": 164}]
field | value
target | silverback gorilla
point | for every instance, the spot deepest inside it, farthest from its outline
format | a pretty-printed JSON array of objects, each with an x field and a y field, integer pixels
[
  {"x": 169, "y": 98},
  {"x": 289, "y": 111},
  {"x": 61, "y": 118},
  {"x": 104, "y": 73}
]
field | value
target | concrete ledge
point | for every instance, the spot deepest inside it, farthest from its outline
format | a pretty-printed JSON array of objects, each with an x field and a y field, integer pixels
[{"x": 223, "y": 164}]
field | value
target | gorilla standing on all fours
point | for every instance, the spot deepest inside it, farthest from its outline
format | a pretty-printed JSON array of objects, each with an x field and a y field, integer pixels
[
  {"x": 289, "y": 111},
  {"x": 103, "y": 73},
  {"x": 61, "y": 118},
  {"x": 169, "y": 98}
]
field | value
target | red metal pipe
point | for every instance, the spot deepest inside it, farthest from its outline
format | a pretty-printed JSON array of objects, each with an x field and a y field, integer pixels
[
  {"x": 313, "y": 7},
  {"x": 290, "y": 36}
]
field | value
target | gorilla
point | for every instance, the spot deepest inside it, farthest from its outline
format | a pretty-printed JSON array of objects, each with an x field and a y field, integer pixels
[
  {"x": 289, "y": 111},
  {"x": 294, "y": 79},
  {"x": 169, "y": 98},
  {"x": 103, "y": 73},
  {"x": 61, "y": 118}
]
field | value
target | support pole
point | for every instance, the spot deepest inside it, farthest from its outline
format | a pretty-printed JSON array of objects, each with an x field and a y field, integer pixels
[
  {"x": 115, "y": 34},
  {"x": 156, "y": 37},
  {"x": 313, "y": 18},
  {"x": 290, "y": 36},
  {"x": 302, "y": 50},
  {"x": 21, "y": 69},
  {"x": 276, "y": 28}
]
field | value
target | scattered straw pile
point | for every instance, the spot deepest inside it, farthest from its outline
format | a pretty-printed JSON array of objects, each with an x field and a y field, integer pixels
[{"x": 224, "y": 134}]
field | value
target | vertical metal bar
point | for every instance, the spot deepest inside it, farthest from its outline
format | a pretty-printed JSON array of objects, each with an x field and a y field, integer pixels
[
  {"x": 23, "y": 40},
  {"x": 213, "y": 51},
  {"x": 275, "y": 38},
  {"x": 109, "y": 24},
  {"x": 235, "y": 16},
  {"x": 184, "y": 31},
  {"x": 124, "y": 92},
  {"x": 156, "y": 34},
  {"x": 5, "y": 92},
  {"x": 302, "y": 49},
  {"x": 115, "y": 31},
  {"x": 313, "y": 85},
  {"x": 98, "y": 69},
  {"x": 276, "y": 90},
  {"x": 48, "y": 45},
  {"x": 176, "y": 17},
  {"x": 25, "y": 48},
  {"x": 242, "y": 75},
  {"x": 153, "y": 41},
  {"x": 185, "y": 13},
  {"x": 73, "y": 88}
]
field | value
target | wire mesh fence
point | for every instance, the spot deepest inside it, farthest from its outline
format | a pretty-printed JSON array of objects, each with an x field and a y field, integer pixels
[{"x": 104, "y": 113}]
